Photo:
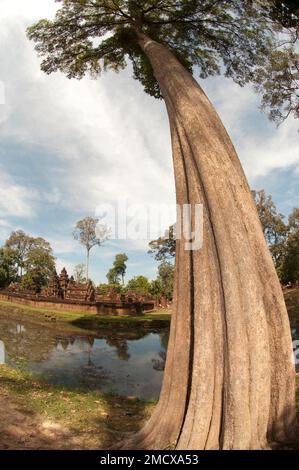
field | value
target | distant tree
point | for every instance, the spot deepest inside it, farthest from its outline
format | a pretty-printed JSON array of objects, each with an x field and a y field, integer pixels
[
  {"x": 294, "y": 221},
  {"x": 8, "y": 266},
  {"x": 156, "y": 288},
  {"x": 166, "y": 277},
  {"x": 290, "y": 271},
  {"x": 39, "y": 265},
  {"x": 112, "y": 276},
  {"x": 163, "y": 248},
  {"x": 106, "y": 288},
  {"x": 103, "y": 288},
  {"x": 79, "y": 273},
  {"x": 278, "y": 80},
  {"x": 32, "y": 256},
  {"x": 139, "y": 284},
  {"x": 118, "y": 269},
  {"x": 120, "y": 265},
  {"x": 272, "y": 222},
  {"x": 274, "y": 228},
  {"x": 21, "y": 243},
  {"x": 90, "y": 233}
]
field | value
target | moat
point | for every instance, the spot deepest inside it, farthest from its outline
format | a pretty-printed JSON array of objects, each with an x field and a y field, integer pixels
[{"x": 125, "y": 363}]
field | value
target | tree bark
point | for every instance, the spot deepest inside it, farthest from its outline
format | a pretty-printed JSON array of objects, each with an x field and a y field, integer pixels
[{"x": 229, "y": 381}]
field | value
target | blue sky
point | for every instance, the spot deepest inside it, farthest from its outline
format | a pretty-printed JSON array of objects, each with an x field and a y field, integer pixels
[{"x": 68, "y": 146}]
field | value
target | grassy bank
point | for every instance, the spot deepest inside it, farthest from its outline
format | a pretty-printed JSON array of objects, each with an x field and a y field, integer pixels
[
  {"x": 36, "y": 415},
  {"x": 83, "y": 320}
]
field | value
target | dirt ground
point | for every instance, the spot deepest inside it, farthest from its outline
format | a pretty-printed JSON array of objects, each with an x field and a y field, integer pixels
[{"x": 20, "y": 430}]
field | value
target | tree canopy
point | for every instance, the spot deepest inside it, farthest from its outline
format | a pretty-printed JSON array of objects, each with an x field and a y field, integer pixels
[
  {"x": 291, "y": 262},
  {"x": 23, "y": 253},
  {"x": 282, "y": 237},
  {"x": 90, "y": 233},
  {"x": 239, "y": 39},
  {"x": 118, "y": 269},
  {"x": 163, "y": 248},
  {"x": 139, "y": 284},
  {"x": 79, "y": 273}
]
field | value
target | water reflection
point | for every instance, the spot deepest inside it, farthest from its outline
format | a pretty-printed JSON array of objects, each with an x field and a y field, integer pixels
[
  {"x": 295, "y": 335},
  {"x": 127, "y": 363},
  {"x": 2, "y": 353}
]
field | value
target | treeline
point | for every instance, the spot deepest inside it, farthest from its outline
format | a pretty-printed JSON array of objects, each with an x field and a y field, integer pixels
[
  {"x": 30, "y": 262},
  {"x": 27, "y": 260},
  {"x": 162, "y": 286},
  {"x": 281, "y": 235}
]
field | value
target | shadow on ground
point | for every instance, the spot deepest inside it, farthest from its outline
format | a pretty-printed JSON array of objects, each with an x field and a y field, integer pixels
[{"x": 36, "y": 416}]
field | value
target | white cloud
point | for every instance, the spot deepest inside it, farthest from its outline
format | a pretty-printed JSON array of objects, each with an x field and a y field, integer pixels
[
  {"x": 63, "y": 245},
  {"x": 262, "y": 147},
  {"x": 28, "y": 8},
  {"x": 5, "y": 229},
  {"x": 63, "y": 263},
  {"x": 15, "y": 200},
  {"x": 98, "y": 141},
  {"x": 106, "y": 137},
  {"x": 263, "y": 155}
]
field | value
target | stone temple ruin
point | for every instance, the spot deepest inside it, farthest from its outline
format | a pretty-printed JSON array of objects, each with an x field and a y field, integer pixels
[
  {"x": 65, "y": 288},
  {"x": 64, "y": 292}
]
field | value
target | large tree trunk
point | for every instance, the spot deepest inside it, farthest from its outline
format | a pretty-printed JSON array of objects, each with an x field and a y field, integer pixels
[{"x": 229, "y": 380}]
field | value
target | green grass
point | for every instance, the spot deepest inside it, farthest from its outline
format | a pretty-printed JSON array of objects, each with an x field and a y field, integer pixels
[
  {"x": 85, "y": 320},
  {"x": 95, "y": 419}
]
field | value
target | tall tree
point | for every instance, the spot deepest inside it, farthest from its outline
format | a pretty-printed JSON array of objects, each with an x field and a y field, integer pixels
[
  {"x": 39, "y": 265},
  {"x": 163, "y": 248},
  {"x": 112, "y": 277},
  {"x": 166, "y": 275},
  {"x": 274, "y": 228},
  {"x": 118, "y": 270},
  {"x": 8, "y": 266},
  {"x": 21, "y": 243},
  {"x": 90, "y": 233},
  {"x": 79, "y": 273},
  {"x": 290, "y": 270},
  {"x": 120, "y": 265},
  {"x": 229, "y": 379}
]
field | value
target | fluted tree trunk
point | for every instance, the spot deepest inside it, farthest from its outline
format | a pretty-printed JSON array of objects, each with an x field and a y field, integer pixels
[{"x": 229, "y": 381}]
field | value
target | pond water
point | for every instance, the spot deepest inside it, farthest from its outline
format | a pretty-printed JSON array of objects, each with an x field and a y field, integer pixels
[
  {"x": 295, "y": 335},
  {"x": 129, "y": 363}
]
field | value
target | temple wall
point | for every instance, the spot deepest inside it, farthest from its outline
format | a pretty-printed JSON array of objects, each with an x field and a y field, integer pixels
[{"x": 103, "y": 308}]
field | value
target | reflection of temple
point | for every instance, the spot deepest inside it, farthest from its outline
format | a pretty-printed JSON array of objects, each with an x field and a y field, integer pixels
[
  {"x": 159, "y": 364},
  {"x": 121, "y": 346},
  {"x": 2, "y": 352}
]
